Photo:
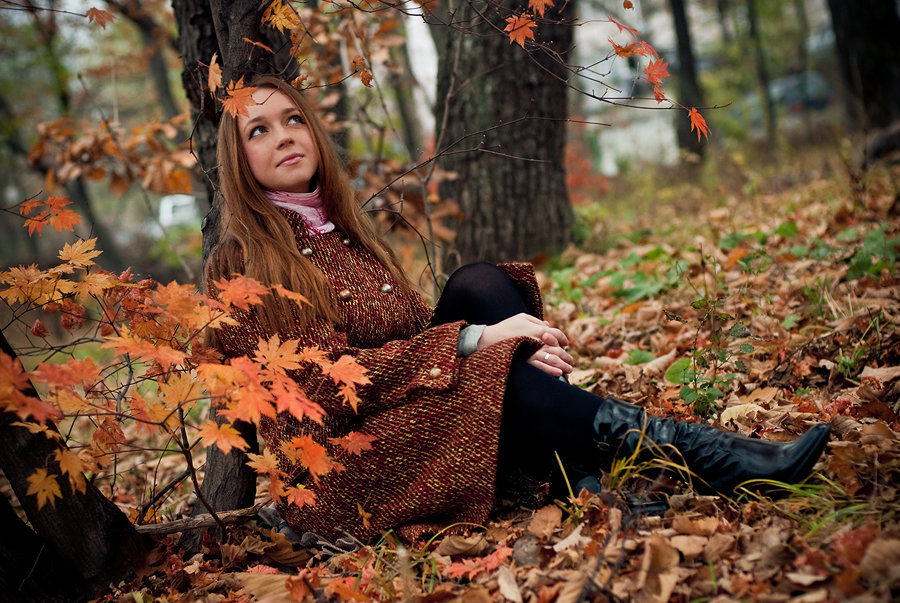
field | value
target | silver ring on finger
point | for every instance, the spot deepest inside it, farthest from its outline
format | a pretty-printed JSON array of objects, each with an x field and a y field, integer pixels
[{"x": 546, "y": 356}]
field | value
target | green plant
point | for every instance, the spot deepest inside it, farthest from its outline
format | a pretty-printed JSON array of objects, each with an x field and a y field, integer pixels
[{"x": 877, "y": 253}]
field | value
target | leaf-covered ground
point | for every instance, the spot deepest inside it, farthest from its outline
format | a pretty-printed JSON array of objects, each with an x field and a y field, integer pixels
[{"x": 769, "y": 304}]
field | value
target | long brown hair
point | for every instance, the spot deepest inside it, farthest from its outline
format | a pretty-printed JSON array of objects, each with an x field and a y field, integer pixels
[{"x": 256, "y": 240}]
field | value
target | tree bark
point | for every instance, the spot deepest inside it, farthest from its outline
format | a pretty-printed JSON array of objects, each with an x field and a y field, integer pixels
[
  {"x": 500, "y": 118},
  {"x": 762, "y": 75},
  {"x": 690, "y": 94},
  {"x": 207, "y": 27},
  {"x": 85, "y": 529},
  {"x": 868, "y": 44}
]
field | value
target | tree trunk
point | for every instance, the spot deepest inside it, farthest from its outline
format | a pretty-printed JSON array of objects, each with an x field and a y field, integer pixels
[
  {"x": 868, "y": 44},
  {"x": 500, "y": 119},
  {"x": 689, "y": 92},
  {"x": 207, "y": 27},
  {"x": 86, "y": 530},
  {"x": 762, "y": 75}
]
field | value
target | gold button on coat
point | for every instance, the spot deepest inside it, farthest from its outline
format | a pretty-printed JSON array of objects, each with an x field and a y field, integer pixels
[
  {"x": 344, "y": 294},
  {"x": 306, "y": 251},
  {"x": 434, "y": 373},
  {"x": 386, "y": 288}
]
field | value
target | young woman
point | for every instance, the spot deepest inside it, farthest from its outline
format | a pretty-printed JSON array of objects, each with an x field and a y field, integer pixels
[{"x": 461, "y": 394}]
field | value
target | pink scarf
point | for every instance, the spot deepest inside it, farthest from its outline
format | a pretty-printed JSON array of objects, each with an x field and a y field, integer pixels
[{"x": 310, "y": 206}]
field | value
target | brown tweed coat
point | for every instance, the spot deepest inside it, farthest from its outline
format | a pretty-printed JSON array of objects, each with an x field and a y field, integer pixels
[{"x": 436, "y": 416}]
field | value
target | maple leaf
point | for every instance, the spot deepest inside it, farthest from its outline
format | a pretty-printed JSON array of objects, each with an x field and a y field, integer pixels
[
  {"x": 365, "y": 516},
  {"x": 646, "y": 50},
  {"x": 539, "y": 6},
  {"x": 264, "y": 463},
  {"x": 276, "y": 356},
  {"x": 519, "y": 28},
  {"x": 658, "y": 93},
  {"x": 81, "y": 254},
  {"x": 348, "y": 392},
  {"x": 224, "y": 436},
  {"x": 624, "y": 51},
  {"x": 472, "y": 567},
  {"x": 13, "y": 378},
  {"x": 300, "y": 496},
  {"x": 214, "y": 79},
  {"x": 698, "y": 123},
  {"x": 100, "y": 17},
  {"x": 312, "y": 455},
  {"x": 238, "y": 97},
  {"x": 240, "y": 291},
  {"x": 44, "y": 486},
  {"x": 70, "y": 464},
  {"x": 656, "y": 71},
  {"x": 622, "y": 27},
  {"x": 252, "y": 403},
  {"x": 37, "y": 223},
  {"x": 290, "y": 398},
  {"x": 36, "y": 428},
  {"x": 65, "y": 219},
  {"x": 347, "y": 588},
  {"x": 295, "y": 297},
  {"x": 281, "y": 16},
  {"x": 347, "y": 370},
  {"x": 354, "y": 442},
  {"x": 627, "y": 5},
  {"x": 315, "y": 355},
  {"x": 26, "y": 207},
  {"x": 75, "y": 371}
]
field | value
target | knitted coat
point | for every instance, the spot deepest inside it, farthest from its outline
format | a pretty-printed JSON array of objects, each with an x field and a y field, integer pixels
[{"x": 435, "y": 415}]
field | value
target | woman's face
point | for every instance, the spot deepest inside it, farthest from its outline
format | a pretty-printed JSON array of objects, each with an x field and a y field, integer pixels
[{"x": 279, "y": 146}]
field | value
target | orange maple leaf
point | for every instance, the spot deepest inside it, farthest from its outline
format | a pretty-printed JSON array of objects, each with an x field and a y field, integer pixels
[
  {"x": 300, "y": 496},
  {"x": 472, "y": 567},
  {"x": 698, "y": 123},
  {"x": 263, "y": 463},
  {"x": 276, "y": 356},
  {"x": 281, "y": 16},
  {"x": 290, "y": 398},
  {"x": 646, "y": 50},
  {"x": 65, "y": 219},
  {"x": 252, "y": 402},
  {"x": 348, "y": 370},
  {"x": 214, "y": 79},
  {"x": 75, "y": 371},
  {"x": 627, "y": 5},
  {"x": 29, "y": 205},
  {"x": 315, "y": 355},
  {"x": 295, "y": 297},
  {"x": 240, "y": 291},
  {"x": 656, "y": 71},
  {"x": 519, "y": 28},
  {"x": 238, "y": 97},
  {"x": 224, "y": 436},
  {"x": 71, "y": 464},
  {"x": 539, "y": 6},
  {"x": 624, "y": 51},
  {"x": 100, "y": 17},
  {"x": 312, "y": 455},
  {"x": 81, "y": 254},
  {"x": 354, "y": 442},
  {"x": 44, "y": 486},
  {"x": 658, "y": 93}
]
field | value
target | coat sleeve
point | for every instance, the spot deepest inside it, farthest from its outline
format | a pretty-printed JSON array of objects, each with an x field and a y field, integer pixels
[
  {"x": 522, "y": 274},
  {"x": 398, "y": 370}
]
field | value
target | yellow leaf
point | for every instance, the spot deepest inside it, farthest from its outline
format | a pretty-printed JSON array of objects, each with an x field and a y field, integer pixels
[
  {"x": 179, "y": 390},
  {"x": 224, "y": 436},
  {"x": 70, "y": 464},
  {"x": 263, "y": 463},
  {"x": 214, "y": 80},
  {"x": 81, "y": 254},
  {"x": 44, "y": 486}
]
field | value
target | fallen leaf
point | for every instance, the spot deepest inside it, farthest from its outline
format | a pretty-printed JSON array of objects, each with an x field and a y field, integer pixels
[
  {"x": 506, "y": 580},
  {"x": 545, "y": 522},
  {"x": 474, "y": 545}
]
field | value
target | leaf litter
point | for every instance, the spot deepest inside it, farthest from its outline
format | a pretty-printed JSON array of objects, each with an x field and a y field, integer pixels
[{"x": 799, "y": 323}]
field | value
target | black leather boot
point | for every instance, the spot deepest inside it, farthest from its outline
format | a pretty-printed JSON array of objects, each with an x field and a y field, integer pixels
[{"x": 721, "y": 460}]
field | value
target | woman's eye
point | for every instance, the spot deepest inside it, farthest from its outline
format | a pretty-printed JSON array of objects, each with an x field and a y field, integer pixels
[
  {"x": 296, "y": 119},
  {"x": 256, "y": 131}
]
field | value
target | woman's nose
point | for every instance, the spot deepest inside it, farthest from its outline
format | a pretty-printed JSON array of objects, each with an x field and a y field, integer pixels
[{"x": 284, "y": 138}]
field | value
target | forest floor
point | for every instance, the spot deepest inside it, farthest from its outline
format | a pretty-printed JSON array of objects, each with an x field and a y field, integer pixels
[{"x": 770, "y": 303}]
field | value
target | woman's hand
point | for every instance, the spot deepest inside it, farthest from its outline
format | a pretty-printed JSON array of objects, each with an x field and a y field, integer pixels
[{"x": 552, "y": 357}]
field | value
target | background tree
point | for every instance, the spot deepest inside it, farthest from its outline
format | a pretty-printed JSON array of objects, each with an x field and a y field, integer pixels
[
  {"x": 500, "y": 123},
  {"x": 689, "y": 91},
  {"x": 867, "y": 45}
]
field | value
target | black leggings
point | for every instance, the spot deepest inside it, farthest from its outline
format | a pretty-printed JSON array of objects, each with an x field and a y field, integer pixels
[{"x": 541, "y": 413}]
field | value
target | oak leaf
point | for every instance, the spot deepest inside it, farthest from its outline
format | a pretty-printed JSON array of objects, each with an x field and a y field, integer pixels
[
  {"x": 44, "y": 486},
  {"x": 519, "y": 28},
  {"x": 225, "y": 436},
  {"x": 698, "y": 123}
]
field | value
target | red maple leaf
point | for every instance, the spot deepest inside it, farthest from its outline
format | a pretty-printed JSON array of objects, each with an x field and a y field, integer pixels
[
  {"x": 300, "y": 496},
  {"x": 656, "y": 71},
  {"x": 622, "y": 28},
  {"x": 519, "y": 28},
  {"x": 698, "y": 123},
  {"x": 100, "y": 17}
]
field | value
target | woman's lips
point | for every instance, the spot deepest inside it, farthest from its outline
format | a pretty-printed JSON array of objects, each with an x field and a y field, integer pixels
[{"x": 290, "y": 159}]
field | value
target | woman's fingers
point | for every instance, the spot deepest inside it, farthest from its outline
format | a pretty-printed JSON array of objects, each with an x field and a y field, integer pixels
[{"x": 552, "y": 360}]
